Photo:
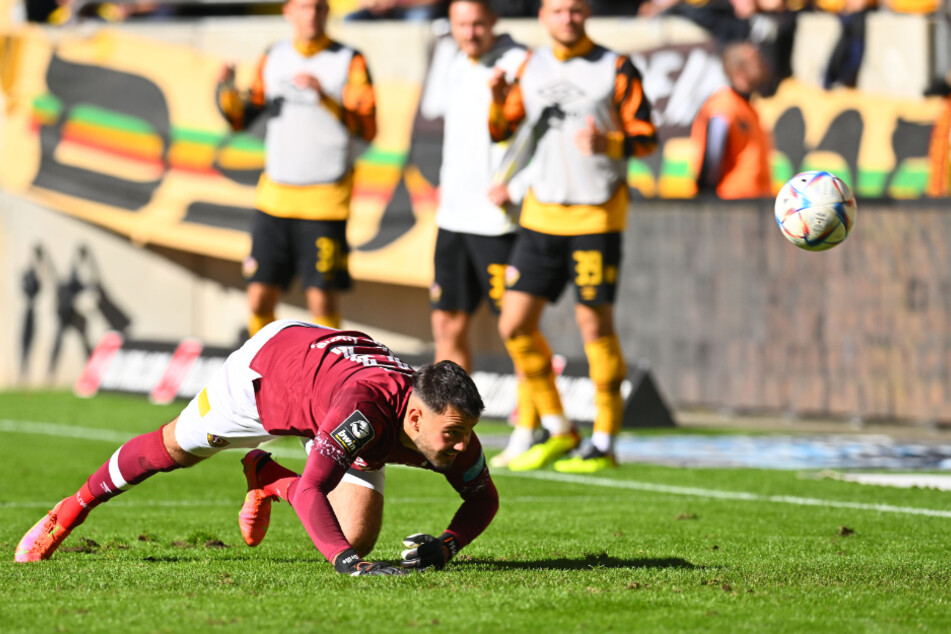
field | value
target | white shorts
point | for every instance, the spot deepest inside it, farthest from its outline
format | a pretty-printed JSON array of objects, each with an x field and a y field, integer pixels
[{"x": 224, "y": 415}]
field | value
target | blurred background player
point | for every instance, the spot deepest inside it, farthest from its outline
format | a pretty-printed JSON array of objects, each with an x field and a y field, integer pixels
[
  {"x": 588, "y": 110},
  {"x": 318, "y": 97},
  {"x": 732, "y": 147},
  {"x": 475, "y": 235},
  {"x": 357, "y": 405}
]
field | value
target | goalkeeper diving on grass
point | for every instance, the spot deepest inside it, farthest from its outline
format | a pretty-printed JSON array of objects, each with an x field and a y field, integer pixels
[{"x": 355, "y": 406}]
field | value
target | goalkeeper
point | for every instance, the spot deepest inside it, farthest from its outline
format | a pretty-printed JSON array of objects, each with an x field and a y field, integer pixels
[{"x": 356, "y": 405}]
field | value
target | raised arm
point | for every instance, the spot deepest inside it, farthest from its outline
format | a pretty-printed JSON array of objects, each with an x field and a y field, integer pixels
[
  {"x": 638, "y": 136},
  {"x": 240, "y": 109},
  {"x": 357, "y": 109},
  {"x": 507, "y": 109}
]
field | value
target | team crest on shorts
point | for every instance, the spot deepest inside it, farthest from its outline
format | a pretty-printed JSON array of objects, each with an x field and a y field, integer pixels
[
  {"x": 511, "y": 275},
  {"x": 216, "y": 441},
  {"x": 435, "y": 292},
  {"x": 249, "y": 267},
  {"x": 354, "y": 433}
]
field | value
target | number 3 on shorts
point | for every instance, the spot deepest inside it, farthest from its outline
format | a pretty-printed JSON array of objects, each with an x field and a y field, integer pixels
[{"x": 328, "y": 255}]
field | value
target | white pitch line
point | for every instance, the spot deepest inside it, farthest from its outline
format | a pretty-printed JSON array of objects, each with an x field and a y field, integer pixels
[
  {"x": 86, "y": 433},
  {"x": 125, "y": 502},
  {"x": 107, "y": 435},
  {"x": 64, "y": 431},
  {"x": 719, "y": 494}
]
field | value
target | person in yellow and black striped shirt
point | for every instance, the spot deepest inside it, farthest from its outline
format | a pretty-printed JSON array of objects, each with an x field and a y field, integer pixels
[
  {"x": 587, "y": 108},
  {"x": 319, "y": 99}
]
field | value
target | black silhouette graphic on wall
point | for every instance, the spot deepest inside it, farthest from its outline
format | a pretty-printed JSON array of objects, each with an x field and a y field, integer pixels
[{"x": 83, "y": 278}]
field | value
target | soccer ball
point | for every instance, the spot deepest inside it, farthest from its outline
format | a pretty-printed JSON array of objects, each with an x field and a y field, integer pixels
[{"x": 815, "y": 210}]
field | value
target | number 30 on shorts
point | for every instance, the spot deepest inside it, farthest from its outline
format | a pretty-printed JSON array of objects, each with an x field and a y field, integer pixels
[{"x": 589, "y": 268}]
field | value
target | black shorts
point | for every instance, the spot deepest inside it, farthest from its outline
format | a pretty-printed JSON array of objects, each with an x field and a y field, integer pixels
[
  {"x": 468, "y": 268},
  {"x": 316, "y": 250},
  {"x": 542, "y": 264}
]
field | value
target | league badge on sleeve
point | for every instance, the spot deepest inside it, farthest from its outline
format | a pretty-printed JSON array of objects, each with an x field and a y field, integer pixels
[{"x": 354, "y": 433}]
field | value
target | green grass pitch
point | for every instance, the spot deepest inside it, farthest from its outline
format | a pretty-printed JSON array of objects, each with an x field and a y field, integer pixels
[{"x": 577, "y": 556}]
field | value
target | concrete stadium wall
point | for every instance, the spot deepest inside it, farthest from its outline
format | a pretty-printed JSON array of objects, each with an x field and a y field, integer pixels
[
  {"x": 724, "y": 311},
  {"x": 165, "y": 295},
  {"x": 731, "y": 316},
  {"x": 163, "y": 300}
]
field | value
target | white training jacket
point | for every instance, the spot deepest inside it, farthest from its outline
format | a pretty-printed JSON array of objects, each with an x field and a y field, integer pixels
[{"x": 457, "y": 89}]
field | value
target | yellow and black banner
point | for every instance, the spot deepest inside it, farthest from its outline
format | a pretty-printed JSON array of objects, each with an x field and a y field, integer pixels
[{"x": 122, "y": 131}]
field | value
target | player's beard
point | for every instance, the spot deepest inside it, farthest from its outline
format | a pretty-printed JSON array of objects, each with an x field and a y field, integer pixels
[{"x": 439, "y": 460}]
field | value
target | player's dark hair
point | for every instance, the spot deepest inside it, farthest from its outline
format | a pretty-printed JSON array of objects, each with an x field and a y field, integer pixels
[
  {"x": 486, "y": 4},
  {"x": 445, "y": 384}
]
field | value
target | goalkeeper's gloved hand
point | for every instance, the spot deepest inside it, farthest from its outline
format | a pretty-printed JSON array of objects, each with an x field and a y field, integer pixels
[
  {"x": 425, "y": 551},
  {"x": 349, "y": 563}
]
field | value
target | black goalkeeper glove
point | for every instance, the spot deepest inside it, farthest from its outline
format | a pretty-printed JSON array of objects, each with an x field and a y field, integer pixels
[
  {"x": 349, "y": 563},
  {"x": 425, "y": 551}
]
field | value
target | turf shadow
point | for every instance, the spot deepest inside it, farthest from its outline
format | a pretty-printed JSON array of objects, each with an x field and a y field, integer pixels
[{"x": 580, "y": 563}]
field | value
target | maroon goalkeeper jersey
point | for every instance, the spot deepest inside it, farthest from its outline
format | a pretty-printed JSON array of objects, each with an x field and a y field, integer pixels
[{"x": 349, "y": 393}]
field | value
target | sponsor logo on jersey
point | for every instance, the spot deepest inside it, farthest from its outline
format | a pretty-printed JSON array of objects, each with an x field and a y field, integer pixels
[
  {"x": 354, "y": 433},
  {"x": 216, "y": 441},
  {"x": 561, "y": 92},
  {"x": 435, "y": 292}
]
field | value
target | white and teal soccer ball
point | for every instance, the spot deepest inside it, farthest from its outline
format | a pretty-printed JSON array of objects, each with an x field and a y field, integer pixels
[{"x": 815, "y": 210}]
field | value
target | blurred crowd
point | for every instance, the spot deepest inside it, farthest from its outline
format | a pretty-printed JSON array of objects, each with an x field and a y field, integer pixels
[
  {"x": 769, "y": 24},
  {"x": 727, "y": 20}
]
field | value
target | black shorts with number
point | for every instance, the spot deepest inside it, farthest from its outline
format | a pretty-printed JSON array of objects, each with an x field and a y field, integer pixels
[
  {"x": 542, "y": 264},
  {"x": 468, "y": 268},
  {"x": 316, "y": 250}
]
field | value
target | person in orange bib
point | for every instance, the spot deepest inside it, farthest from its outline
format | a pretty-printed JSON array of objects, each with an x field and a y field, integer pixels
[
  {"x": 732, "y": 146},
  {"x": 939, "y": 148}
]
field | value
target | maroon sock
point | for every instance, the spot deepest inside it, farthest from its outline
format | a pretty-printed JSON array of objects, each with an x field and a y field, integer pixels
[
  {"x": 132, "y": 463},
  {"x": 275, "y": 479}
]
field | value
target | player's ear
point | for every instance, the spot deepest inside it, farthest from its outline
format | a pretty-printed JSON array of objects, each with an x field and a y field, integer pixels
[{"x": 415, "y": 414}]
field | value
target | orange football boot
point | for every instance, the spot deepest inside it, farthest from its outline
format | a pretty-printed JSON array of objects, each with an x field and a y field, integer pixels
[
  {"x": 41, "y": 541},
  {"x": 255, "y": 515}
]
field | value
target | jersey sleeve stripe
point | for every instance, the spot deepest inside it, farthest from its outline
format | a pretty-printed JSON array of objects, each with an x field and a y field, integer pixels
[
  {"x": 634, "y": 110},
  {"x": 359, "y": 100}
]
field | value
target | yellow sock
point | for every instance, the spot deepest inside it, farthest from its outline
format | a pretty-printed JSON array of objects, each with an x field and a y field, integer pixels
[
  {"x": 330, "y": 320},
  {"x": 527, "y": 414},
  {"x": 607, "y": 370},
  {"x": 532, "y": 359},
  {"x": 256, "y": 322}
]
